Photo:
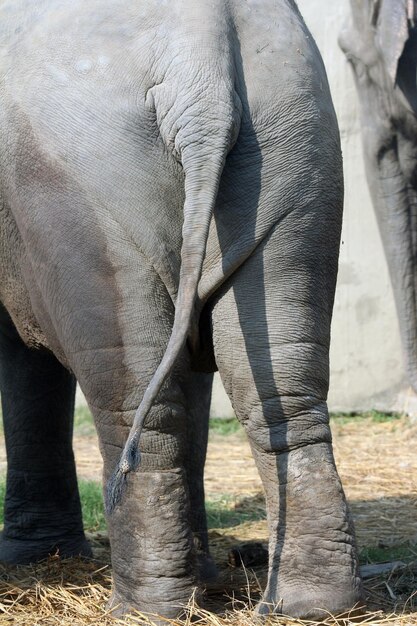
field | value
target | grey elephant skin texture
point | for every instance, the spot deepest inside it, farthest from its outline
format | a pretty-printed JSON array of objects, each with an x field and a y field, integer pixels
[
  {"x": 381, "y": 44},
  {"x": 171, "y": 199}
]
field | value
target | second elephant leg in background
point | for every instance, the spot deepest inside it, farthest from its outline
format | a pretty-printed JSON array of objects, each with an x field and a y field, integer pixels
[{"x": 42, "y": 505}]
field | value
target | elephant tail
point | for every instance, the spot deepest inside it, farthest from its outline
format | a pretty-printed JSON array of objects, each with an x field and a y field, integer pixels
[{"x": 203, "y": 154}]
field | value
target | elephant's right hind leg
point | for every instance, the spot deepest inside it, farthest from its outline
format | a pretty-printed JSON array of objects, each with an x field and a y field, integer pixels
[
  {"x": 42, "y": 505},
  {"x": 271, "y": 342}
]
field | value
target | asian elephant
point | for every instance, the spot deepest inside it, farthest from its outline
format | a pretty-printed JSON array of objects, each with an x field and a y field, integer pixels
[
  {"x": 171, "y": 198},
  {"x": 381, "y": 44}
]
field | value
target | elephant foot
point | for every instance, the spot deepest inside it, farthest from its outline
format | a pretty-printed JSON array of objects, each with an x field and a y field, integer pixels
[
  {"x": 316, "y": 594},
  {"x": 153, "y": 558},
  {"x": 313, "y": 562},
  {"x": 315, "y": 606},
  {"x": 24, "y": 552},
  {"x": 157, "y": 613}
]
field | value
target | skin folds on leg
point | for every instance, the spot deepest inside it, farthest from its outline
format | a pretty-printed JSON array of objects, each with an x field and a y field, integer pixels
[
  {"x": 271, "y": 335},
  {"x": 154, "y": 558}
]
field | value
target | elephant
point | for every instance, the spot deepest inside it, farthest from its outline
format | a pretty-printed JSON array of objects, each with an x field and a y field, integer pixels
[
  {"x": 171, "y": 203},
  {"x": 380, "y": 43}
]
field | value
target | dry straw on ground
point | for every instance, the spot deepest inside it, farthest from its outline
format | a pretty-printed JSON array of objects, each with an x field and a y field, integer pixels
[
  {"x": 74, "y": 593},
  {"x": 378, "y": 465}
]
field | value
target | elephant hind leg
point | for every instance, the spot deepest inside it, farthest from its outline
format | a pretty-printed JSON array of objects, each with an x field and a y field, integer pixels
[
  {"x": 150, "y": 531},
  {"x": 168, "y": 544},
  {"x": 42, "y": 505},
  {"x": 271, "y": 335}
]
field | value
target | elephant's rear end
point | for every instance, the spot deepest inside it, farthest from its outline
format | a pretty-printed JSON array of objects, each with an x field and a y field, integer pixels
[{"x": 144, "y": 125}]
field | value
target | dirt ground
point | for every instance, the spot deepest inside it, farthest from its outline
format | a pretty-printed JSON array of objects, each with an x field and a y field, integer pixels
[{"x": 378, "y": 466}]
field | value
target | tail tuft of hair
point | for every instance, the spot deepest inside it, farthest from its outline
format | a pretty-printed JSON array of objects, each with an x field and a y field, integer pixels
[{"x": 118, "y": 481}]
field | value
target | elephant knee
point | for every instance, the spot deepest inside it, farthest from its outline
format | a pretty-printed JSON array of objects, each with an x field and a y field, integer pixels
[
  {"x": 163, "y": 440},
  {"x": 283, "y": 423}
]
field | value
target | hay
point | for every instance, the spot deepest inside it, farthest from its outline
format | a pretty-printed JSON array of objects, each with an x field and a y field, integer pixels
[
  {"x": 74, "y": 592},
  {"x": 377, "y": 463},
  {"x": 378, "y": 466}
]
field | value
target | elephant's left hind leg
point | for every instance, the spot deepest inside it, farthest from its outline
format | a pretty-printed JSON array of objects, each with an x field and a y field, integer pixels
[{"x": 42, "y": 505}]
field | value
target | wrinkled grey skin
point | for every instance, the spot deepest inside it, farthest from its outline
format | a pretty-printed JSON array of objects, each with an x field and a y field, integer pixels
[
  {"x": 116, "y": 119},
  {"x": 381, "y": 44}
]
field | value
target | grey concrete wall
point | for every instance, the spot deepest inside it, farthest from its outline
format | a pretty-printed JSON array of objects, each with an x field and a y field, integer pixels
[{"x": 366, "y": 360}]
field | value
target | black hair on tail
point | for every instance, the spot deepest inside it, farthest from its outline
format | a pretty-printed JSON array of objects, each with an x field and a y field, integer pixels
[{"x": 129, "y": 461}]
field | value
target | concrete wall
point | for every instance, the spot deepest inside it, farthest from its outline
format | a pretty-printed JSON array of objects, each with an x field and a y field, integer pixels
[{"x": 366, "y": 361}]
